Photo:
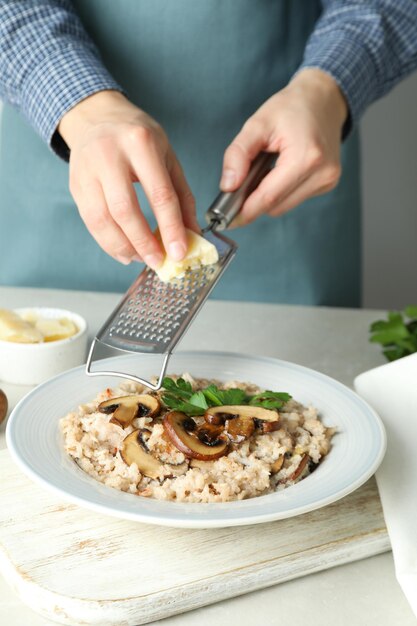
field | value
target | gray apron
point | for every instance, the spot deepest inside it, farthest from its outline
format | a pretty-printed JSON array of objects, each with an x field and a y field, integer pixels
[{"x": 201, "y": 68}]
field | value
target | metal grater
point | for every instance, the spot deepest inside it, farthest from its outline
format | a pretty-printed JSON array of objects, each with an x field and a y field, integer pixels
[{"x": 153, "y": 316}]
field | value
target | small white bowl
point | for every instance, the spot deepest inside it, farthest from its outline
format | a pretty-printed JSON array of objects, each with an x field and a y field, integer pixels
[{"x": 33, "y": 363}]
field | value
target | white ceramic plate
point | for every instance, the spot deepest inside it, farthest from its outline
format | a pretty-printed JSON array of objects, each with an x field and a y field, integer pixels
[{"x": 33, "y": 438}]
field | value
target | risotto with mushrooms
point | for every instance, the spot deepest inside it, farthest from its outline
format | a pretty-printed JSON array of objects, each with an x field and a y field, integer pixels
[{"x": 196, "y": 440}]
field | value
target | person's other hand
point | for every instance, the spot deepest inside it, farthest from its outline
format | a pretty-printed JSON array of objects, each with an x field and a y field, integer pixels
[
  {"x": 303, "y": 124},
  {"x": 114, "y": 144}
]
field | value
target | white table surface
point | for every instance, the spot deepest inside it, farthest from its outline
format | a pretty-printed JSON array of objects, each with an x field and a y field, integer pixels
[{"x": 333, "y": 341}]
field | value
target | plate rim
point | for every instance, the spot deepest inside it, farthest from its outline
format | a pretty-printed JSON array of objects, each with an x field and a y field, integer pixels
[{"x": 140, "y": 517}]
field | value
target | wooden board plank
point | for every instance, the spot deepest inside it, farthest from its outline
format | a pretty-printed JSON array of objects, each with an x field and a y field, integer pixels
[{"x": 78, "y": 567}]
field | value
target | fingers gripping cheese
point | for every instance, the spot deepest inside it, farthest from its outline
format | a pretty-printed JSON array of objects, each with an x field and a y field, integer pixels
[{"x": 200, "y": 252}]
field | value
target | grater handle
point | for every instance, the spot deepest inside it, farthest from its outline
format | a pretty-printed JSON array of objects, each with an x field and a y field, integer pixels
[{"x": 227, "y": 205}]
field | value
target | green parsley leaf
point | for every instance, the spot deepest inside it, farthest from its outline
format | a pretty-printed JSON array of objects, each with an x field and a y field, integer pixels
[
  {"x": 184, "y": 385},
  {"x": 177, "y": 404},
  {"x": 179, "y": 396},
  {"x": 181, "y": 387},
  {"x": 199, "y": 399},
  {"x": 234, "y": 396},
  {"x": 222, "y": 397},
  {"x": 397, "y": 335},
  {"x": 270, "y": 399},
  {"x": 411, "y": 311},
  {"x": 213, "y": 395}
]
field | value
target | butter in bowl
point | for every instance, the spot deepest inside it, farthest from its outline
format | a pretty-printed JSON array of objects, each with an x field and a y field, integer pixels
[{"x": 37, "y": 343}]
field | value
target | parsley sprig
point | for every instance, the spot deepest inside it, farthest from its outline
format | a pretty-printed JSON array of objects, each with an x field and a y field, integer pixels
[
  {"x": 398, "y": 334},
  {"x": 179, "y": 396}
]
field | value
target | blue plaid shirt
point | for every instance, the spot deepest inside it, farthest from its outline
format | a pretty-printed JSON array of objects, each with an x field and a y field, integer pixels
[{"x": 48, "y": 63}]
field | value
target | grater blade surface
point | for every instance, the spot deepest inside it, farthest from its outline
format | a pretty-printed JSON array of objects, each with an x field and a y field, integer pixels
[{"x": 153, "y": 316}]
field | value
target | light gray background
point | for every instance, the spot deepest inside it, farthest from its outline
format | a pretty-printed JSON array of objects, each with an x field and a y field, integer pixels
[
  {"x": 389, "y": 177},
  {"x": 389, "y": 183}
]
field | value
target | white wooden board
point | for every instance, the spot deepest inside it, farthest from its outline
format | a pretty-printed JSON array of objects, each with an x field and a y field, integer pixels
[{"x": 78, "y": 567}]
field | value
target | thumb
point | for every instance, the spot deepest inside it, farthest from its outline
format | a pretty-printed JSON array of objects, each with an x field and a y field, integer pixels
[{"x": 241, "y": 152}]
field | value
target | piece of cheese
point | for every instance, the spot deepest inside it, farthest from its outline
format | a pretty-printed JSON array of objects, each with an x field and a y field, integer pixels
[
  {"x": 56, "y": 329},
  {"x": 29, "y": 327},
  {"x": 200, "y": 252},
  {"x": 14, "y": 328}
]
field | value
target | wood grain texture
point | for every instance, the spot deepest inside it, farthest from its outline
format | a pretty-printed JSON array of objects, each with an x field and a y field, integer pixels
[{"x": 78, "y": 567}]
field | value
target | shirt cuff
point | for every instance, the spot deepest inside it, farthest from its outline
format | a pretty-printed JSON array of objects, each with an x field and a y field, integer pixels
[
  {"x": 349, "y": 63},
  {"x": 64, "y": 77}
]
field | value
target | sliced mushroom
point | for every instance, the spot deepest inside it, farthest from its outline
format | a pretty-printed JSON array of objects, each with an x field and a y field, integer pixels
[
  {"x": 176, "y": 470},
  {"x": 277, "y": 465},
  {"x": 239, "y": 429},
  {"x": 299, "y": 470},
  {"x": 219, "y": 414},
  {"x": 269, "y": 427},
  {"x": 3, "y": 405},
  {"x": 177, "y": 425},
  {"x": 312, "y": 465},
  {"x": 133, "y": 451},
  {"x": 240, "y": 420},
  {"x": 143, "y": 438},
  {"x": 126, "y": 408},
  {"x": 210, "y": 434},
  {"x": 217, "y": 417},
  {"x": 200, "y": 464}
]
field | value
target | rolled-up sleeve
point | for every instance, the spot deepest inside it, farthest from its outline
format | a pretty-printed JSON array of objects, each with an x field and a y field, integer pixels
[
  {"x": 48, "y": 63},
  {"x": 367, "y": 46}
]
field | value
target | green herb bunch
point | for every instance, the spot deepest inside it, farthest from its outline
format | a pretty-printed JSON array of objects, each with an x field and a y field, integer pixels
[
  {"x": 179, "y": 396},
  {"x": 398, "y": 335}
]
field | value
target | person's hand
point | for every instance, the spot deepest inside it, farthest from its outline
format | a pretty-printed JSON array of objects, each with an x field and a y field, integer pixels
[
  {"x": 303, "y": 124},
  {"x": 114, "y": 144}
]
